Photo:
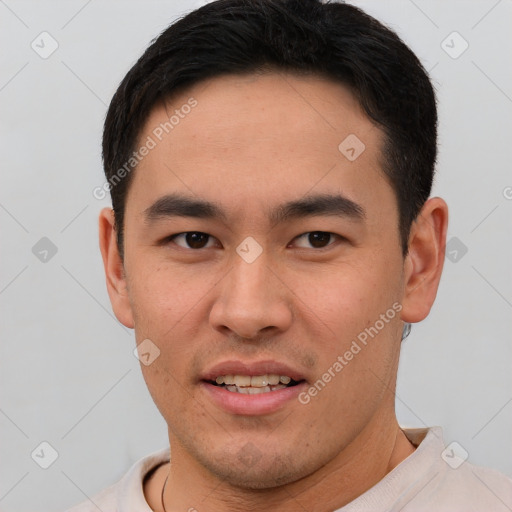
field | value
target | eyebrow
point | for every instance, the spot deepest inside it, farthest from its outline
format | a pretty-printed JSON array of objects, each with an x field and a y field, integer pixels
[{"x": 177, "y": 205}]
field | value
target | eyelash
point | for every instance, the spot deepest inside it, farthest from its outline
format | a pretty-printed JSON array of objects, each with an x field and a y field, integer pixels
[{"x": 171, "y": 238}]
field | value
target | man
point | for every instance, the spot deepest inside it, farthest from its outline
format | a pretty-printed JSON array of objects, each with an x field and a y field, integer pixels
[{"x": 271, "y": 241}]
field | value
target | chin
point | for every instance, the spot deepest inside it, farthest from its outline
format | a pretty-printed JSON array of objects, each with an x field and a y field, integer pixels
[{"x": 265, "y": 472}]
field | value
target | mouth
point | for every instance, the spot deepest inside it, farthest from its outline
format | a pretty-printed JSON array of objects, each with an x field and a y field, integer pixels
[
  {"x": 254, "y": 384},
  {"x": 252, "y": 387}
]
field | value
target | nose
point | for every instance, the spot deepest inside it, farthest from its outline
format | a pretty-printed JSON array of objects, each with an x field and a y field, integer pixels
[{"x": 251, "y": 299}]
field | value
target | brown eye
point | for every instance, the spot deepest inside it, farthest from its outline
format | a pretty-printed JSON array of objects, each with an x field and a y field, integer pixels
[
  {"x": 192, "y": 239},
  {"x": 316, "y": 239},
  {"x": 319, "y": 238}
]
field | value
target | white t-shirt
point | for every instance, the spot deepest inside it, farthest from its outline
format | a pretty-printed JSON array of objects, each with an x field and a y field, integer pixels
[{"x": 432, "y": 479}]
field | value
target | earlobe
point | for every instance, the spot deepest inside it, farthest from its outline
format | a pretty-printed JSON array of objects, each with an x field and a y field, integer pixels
[
  {"x": 424, "y": 263},
  {"x": 114, "y": 269}
]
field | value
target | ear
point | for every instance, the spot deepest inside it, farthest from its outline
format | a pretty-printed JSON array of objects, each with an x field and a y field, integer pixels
[
  {"x": 424, "y": 262},
  {"x": 114, "y": 269}
]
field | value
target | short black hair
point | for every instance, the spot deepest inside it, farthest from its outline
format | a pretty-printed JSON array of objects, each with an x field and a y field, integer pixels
[{"x": 329, "y": 39}]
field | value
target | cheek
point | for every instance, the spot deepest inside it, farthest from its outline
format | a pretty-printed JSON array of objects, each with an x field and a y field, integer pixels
[
  {"x": 170, "y": 308},
  {"x": 356, "y": 311},
  {"x": 162, "y": 294},
  {"x": 347, "y": 298},
  {"x": 165, "y": 386}
]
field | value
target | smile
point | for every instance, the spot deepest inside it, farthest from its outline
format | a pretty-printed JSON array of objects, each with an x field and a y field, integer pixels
[{"x": 253, "y": 385}]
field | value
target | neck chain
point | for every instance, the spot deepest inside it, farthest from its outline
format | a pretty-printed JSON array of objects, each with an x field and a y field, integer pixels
[{"x": 163, "y": 491}]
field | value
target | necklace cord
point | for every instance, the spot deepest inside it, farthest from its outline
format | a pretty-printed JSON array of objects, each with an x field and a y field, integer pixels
[{"x": 163, "y": 491}]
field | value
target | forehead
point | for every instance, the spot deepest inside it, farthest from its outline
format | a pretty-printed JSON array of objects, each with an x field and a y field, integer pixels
[
  {"x": 261, "y": 104},
  {"x": 259, "y": 136}
]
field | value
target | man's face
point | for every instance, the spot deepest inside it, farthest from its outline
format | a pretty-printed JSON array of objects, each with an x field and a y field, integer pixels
[{"x": 249, "y": 145}]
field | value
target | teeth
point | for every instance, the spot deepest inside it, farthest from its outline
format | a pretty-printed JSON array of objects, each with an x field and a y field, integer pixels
[
  {"x": 273, "y": 380},
  {"x": 242, "y": 380},
  {"x": 256, "y": 381},
  {"x": 254, "y": 391}
]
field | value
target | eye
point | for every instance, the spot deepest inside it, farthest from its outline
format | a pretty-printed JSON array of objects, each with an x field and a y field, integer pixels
[
  {"x": 198, "y": 240},
  {"x": 317, "y": 239},
  {"x": 191, "y": 239}
]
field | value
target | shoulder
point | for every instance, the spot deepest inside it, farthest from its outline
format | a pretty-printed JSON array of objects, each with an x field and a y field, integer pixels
[
  {"x": 128, "y": 492},
  {"x": 474, "y": 487},
  {"x": 435, "y": 478},
  {"x": 104, "y": 500},
  {"x": 450, "y": 483}
]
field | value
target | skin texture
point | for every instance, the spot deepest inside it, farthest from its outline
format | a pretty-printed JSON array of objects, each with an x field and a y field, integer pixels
[{"x": 253, "y": 142}]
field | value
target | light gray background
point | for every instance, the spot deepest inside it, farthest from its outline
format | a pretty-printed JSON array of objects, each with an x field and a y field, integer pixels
[{"x": 68, "y": 375}]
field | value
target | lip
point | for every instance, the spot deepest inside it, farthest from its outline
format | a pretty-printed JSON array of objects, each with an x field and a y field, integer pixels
[
  {"x": 237, "y": 367},
  {"x": 252, "y": 405}
]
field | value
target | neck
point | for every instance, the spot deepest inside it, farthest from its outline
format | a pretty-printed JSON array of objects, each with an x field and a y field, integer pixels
[{"x": 378, "y": 449}]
